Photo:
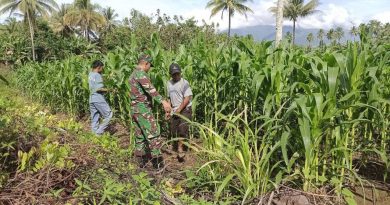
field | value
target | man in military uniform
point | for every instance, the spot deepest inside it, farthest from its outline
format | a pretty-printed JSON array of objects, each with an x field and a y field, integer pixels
[{"x": 147, "y": 131}]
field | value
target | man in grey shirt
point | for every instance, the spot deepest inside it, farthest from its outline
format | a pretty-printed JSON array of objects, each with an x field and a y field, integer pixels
[
  {"x": 97, "y": 103},
  {"x": 180, "y": 95}
]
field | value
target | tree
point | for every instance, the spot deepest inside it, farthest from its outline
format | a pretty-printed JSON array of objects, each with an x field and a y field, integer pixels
[
  {"x": 384, "y": 33},
  {"x": 331, "y": 36},
  {"x": 231, "y": 6},
  {"x": 110, "y": 17},
  {"x": 29, "y": 9},
  {"x": 293, "y": 9},
  {"x": 11, "y": 25},
  {"x": 354, "y": 32},
  {"x": 57, "y": 22},
  {"x": 84, "y": 15},
  {"x": 339, "y": 34},
  {"x": 288, "y": 36},
  {"x": 374, "y": 27},
  {"x": 279, "y": 23},
  {"x": 320, "y": 36},
  {"x": 141, "y": 26},
  {"x": 310, "y": 38}
]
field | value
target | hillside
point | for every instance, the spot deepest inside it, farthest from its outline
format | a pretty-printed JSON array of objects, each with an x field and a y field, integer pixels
[{"x": 267, "y": 32}]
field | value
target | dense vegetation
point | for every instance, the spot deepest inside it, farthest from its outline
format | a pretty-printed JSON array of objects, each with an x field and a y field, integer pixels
[{"x": 267, "y": 117}]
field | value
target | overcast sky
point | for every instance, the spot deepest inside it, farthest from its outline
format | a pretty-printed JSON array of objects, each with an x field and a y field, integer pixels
[{"x": 333, "y": 12}]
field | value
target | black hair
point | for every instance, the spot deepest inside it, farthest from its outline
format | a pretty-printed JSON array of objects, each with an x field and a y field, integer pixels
[{"x": 97, "y": 63}]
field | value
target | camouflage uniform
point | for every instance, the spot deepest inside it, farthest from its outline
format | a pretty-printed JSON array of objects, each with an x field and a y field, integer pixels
[{"x": 147, "y": 131}]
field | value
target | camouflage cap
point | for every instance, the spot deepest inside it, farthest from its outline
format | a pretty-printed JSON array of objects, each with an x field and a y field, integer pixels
[{"x": 147, "y": 58}]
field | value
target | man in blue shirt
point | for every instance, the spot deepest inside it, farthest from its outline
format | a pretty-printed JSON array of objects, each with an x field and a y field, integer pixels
[{"x": 97, "y": 103}]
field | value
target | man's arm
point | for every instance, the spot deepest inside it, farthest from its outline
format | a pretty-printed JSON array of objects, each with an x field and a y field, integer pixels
[
  {"x": 187, "y": 93},
  {"x": 147, "y": 85},
  {"x": 102, "y": 90},
  {"x": 99, "y": 83},
  {"x": 184, "y": 104}
]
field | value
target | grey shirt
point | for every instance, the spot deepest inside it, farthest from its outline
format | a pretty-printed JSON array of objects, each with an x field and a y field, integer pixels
[
  {"x": 95, "y": 82},
  {"x": 178, "y": 91}
]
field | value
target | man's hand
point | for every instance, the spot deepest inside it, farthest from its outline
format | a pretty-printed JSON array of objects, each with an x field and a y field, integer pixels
[
  {"x": 167, "y": 106},
  {"x": 167, "y": 116},
  {"x": 178, "y": 111},
  {"x": 106, "y": 90},
  {"x": 183, "y": 105}
]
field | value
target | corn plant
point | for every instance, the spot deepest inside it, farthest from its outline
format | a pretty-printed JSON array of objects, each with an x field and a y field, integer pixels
[{"x": 266, "y": 116}]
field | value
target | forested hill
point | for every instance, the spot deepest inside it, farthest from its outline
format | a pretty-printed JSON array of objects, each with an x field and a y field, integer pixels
[{"x": 267, "y": 32}]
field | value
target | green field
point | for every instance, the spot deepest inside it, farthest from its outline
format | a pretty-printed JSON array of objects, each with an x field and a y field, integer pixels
[{"x": 269, "y": 122}]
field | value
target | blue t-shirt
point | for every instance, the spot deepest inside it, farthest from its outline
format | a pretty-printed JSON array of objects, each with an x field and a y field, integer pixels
[{"x": 95, "y": 82}]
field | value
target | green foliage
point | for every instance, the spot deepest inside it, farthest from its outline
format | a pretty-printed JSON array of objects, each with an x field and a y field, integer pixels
[
  {"x": 58, "y": 39},
  {"x": 4, "y": 79},
  {"x": 266, "y": 117},
  {"x": 118, "y": 37},
  {"x": 27, "y": 144},
  {"x": 49, "y": 46},
  {"x": 84, "y": 17},
  {"x": 146, "y": 192}
]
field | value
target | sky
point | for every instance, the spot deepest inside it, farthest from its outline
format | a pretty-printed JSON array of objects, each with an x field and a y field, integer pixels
[{"x": 333, "y": 13}]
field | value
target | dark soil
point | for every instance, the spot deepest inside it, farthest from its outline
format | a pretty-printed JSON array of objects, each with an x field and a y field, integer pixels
[
  {"x": 375, "y": 191},
  {"x": 377, "y": 194}
]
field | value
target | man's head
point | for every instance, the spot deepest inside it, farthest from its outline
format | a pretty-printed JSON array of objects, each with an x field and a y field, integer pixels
[
  {"x": 97, "y": 66},
  {"x": 145, "y": 62},
  {"x": 175, "y": 72}
]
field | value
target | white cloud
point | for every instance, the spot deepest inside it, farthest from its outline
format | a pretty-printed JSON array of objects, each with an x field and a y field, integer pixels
[
  {"x": 328, "y": 17},
  {"x": 333, "y": 12},
  {"x": 382, "y": 17},
  {"x": 260, "y": 15}
]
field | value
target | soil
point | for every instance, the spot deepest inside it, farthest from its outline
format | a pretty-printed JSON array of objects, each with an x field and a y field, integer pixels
[
  {"x": 380, "y": 195},
  {"x": 173, "y": 169},
  {"x": 375, "y": 191}
]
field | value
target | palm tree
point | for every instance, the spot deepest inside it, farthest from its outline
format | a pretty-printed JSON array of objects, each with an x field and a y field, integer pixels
[
  {"x": 11, "y": 24},
  {"x": 331, "y": 36},
  {"x": 29, "y": 9},
  {"x": 110, "y": 16},
  {"x": 339, "y": 34},
  {"x": 288, "y": 36},
  {"x": 320, "y": 36},
  {"x": 279, "y": 23},
  {"x": 231, "y": 6},
  {"x": 57, "y": 22},
  {"x": 374, "y": 26},
  {"x": 354, "y": 32},
  {"x": 362, "y": 28},
  {"x": 84, "y": 15},
  {"x": 310, "y": 38},
  {"x": 293, "y": 9}
]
